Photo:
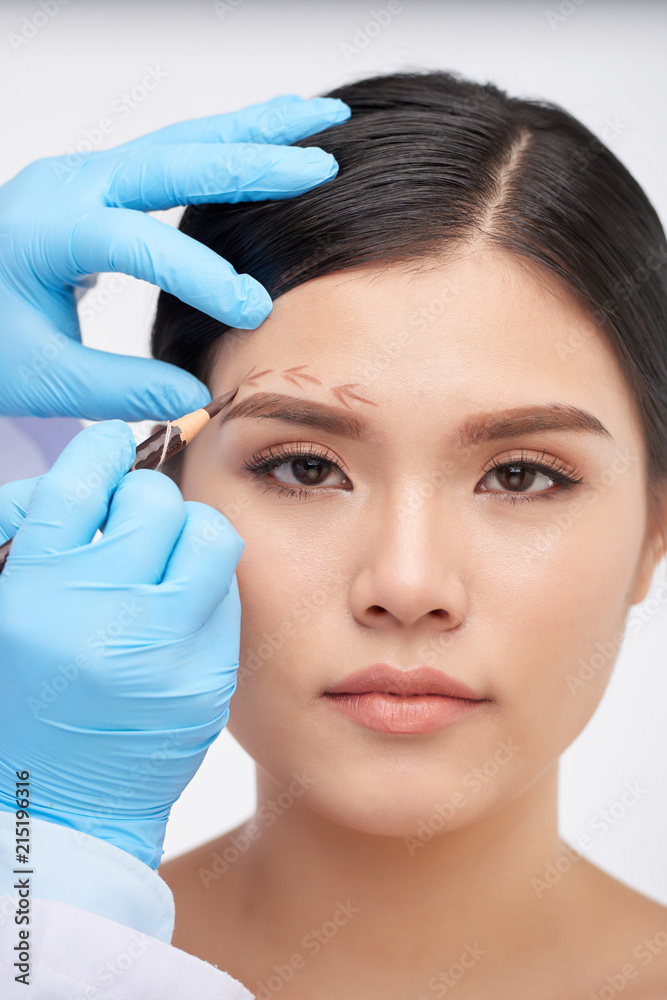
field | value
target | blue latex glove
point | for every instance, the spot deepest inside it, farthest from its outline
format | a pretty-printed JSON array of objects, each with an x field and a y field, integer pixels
[
  {"x": 66, "y": 217},
  {"x": 119, "y": 656}
]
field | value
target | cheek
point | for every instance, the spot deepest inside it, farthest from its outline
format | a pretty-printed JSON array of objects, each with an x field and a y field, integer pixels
[
  {"x": 291, "y": 595},
  {"x": 287, "y": 586},
  {"x": 561, "y": 607}
]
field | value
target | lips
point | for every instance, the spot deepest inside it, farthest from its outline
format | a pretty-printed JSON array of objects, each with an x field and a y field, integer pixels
[
  {"x": 409, "y": 702},
  {"x": 422, "y": 680}
]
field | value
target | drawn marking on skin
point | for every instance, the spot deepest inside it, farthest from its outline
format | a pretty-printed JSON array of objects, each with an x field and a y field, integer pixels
[
  {"x": 291, "y": 378},
  {"x": 294, "y": 374},
  {"x": 340, "y": 391},
  {"x": 250, "y": 378}
]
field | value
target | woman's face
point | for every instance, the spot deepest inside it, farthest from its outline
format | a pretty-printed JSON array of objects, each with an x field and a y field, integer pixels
[{"x": 410, "y": 548}]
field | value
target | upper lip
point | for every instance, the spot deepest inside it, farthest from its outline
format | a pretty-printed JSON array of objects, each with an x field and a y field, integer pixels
[{"x": 384, "y": 678}]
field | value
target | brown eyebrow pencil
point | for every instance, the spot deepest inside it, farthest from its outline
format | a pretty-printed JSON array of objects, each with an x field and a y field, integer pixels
[{"x": 169, "y": 439}]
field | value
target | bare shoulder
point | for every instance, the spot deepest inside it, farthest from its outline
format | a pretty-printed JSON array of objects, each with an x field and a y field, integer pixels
[
  {"x": 633, "y": 930},
  {"x": 194, "y": 872},
  {"x": 178, "y": 870},
  {"x": 208, "y": 889}
]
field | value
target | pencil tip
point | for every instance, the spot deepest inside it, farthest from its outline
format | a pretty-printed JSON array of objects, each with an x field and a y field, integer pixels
[{"x": 217, "y": 404}]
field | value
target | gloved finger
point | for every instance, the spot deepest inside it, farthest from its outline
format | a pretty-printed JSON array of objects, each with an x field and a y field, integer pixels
[
  {"x": 202, "y": 564},
  {"x": 225, "y": 622},
  {"x": 71, "y": 500},
  {"x": 118, "y": 239},
  {"x": 14, "y": 500},
  {"x": 90, "y": 383},
  {"x": 166, "y": 176},
  {"x": 37, "y": 340},
  {"x": 282, "y": 119},
  {"x": 146, "y": 516},
  {"x": 99, "y": 385}
]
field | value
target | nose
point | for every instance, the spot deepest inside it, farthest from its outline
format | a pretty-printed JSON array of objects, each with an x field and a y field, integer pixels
[{"x": 409, "y": 564}]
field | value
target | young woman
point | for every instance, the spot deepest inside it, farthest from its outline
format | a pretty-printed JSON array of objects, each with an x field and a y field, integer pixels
[{"x": 448, "y": 460}]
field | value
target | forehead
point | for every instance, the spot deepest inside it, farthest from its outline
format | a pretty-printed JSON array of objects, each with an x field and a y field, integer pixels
[{"x": 481, "y": 322}]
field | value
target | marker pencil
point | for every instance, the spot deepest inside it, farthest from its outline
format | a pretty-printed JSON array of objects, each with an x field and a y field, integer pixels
[{"x": 167, "y": 441}]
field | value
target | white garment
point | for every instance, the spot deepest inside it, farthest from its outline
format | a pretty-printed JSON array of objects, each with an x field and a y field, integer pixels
[{"x": 100, "y": 925}]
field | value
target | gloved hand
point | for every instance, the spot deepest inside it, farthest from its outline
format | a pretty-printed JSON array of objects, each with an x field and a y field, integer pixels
[
  {"x": 119, "y": 656},
  {"x": 66, "y": 217}
]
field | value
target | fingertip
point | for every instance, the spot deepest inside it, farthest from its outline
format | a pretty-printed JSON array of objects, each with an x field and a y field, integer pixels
[
  {"x": 152, "y": 479},
  {"x": 150, "y": 490},
  {"x": 177, "y": 394},
  {"x": 146, "y": 517},
  {"x": 119, "y": 432},
  {"x": 331, "y": 165},
  {"x": 200, "y": 393},
  {"x": 255, "y": 303},
  {"x": 211, "y": 524},
  {"x": 14, "y": 502},
  {"x": 339, "y": 110}
]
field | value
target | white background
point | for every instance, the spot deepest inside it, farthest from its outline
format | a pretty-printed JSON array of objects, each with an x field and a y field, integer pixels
[{"x": 603, "y": 61}]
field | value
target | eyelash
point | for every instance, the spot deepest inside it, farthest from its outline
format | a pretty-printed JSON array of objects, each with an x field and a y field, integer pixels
[
  {"x": 552, "y": 468},
  {"x": 259, "y": 465}
]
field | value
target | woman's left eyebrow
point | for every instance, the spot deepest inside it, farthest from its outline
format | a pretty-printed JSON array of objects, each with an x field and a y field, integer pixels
[{"x": 483, "y": 427}]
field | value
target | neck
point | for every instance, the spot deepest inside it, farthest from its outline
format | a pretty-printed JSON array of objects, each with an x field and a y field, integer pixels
[{"x": 473, "y": 890}]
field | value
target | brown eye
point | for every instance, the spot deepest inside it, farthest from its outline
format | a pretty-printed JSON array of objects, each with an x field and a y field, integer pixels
[
  {"x": 521, "y": 478},
  {"x": 530, "y": 480},
  {"x": 306, "y": 471},
  {"x": 301, "y": 471}
]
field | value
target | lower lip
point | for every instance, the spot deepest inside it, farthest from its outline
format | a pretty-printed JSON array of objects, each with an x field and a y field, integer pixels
[{"x": 390, "y": 713}]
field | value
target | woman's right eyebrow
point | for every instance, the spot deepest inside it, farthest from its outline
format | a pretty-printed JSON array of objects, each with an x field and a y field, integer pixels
[
  {"x": 307, "y": 412},
  {"x": 477, "y": 429}
]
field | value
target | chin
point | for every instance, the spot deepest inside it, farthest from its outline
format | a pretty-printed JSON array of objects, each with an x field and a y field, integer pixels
[
  {"x": 399, "y": 808},
  {"x": 393, "y": 794}
]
